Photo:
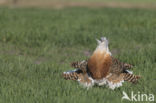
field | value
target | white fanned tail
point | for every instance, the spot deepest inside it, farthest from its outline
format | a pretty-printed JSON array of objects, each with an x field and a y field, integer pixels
[{"x": 102, "y": 45}]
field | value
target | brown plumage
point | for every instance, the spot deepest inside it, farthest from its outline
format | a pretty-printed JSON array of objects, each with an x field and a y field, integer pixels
[
  {"x": 119, "y": 67},
  {"x": 78, "y": 75},
  {"x": 101, "y": 68},
  {"x": 72, "y": 75},
  {"x": 131, "y": 77},
  {"x": 82, "y": 65},
  {"x": 116, "y": 68},
  {"x": 100, "y": 62}
]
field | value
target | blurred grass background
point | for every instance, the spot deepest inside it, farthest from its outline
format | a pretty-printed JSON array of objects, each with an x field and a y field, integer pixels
[
  {"x": 80, "y": 3},
  {"x": 87, "y": 0},
  {"x": 37, "y": 45}
]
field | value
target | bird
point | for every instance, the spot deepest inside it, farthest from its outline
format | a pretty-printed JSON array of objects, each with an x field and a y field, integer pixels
[{"x": 101, "y": 68}]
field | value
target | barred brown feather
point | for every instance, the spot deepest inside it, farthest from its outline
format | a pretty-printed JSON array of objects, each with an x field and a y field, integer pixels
[
  {"x": 78, "y": 75},
  {"x": 101, "y": 68},
  {"x": 82, "y": 65},
  {"x": 116, "y": 67},
  {"x": 71, "y": 76},
  {"x": 131, "y": 77}
]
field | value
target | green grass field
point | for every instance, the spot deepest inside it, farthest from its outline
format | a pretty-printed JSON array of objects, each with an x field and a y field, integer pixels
[
  {"x": 37, "y": 45},
  {"x": 133, "y": 1}
]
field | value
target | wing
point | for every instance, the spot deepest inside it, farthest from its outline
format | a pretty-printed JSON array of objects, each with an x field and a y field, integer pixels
[
  {"x": 82, "y": 65},
  {"x": 72, "y": 75},
  {"x": 131, "y": 77},
  {"x": 77, "y": 75},
  {"x": 119, "y": 67},
  {"x": 115, "y": 80}
]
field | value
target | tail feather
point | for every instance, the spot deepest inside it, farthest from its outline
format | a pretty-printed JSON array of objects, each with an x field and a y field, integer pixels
[{"x": 102, "y": 45}]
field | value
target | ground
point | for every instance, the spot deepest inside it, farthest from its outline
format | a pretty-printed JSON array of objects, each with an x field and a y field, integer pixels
[
  {"x": 80, "y": 3},
  {"x": 37, "y": 45}
]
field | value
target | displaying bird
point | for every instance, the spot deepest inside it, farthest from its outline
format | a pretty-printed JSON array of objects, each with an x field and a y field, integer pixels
[{"x": 101, "y": 69}]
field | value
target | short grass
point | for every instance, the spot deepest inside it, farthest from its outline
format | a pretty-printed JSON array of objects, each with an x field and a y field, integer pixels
[
  {"x": 37, "y": 45},
  {"x": 131, "y": 1}
]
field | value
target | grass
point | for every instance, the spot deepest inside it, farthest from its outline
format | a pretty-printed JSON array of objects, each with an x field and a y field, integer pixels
[
  {"x": 133, "y": 1},
  {"x": 37, "y": 45},
  {"x": 81, "y": 3}
]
